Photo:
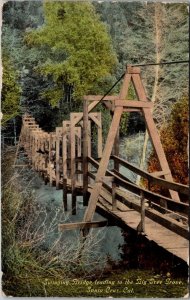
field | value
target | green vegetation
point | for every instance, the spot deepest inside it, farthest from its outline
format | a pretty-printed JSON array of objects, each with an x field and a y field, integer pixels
[
  {"x": 68, "y": 56},
  {"x": 11, "y": 91},
  {"x": 27, "y": 229},
  {"x": 151, "y": 32},
  {"x": 79, "y": 50},
  {"x": 174, "y": 138}
]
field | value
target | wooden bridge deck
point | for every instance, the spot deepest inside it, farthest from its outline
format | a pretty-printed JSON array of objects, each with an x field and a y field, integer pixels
[{"x": 127, "y": 217}]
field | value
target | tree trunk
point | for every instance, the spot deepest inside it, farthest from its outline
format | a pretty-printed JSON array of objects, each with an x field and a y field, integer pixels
[
  {"x": 157, "y": 25},
  {"x": 14, "y": 128}
]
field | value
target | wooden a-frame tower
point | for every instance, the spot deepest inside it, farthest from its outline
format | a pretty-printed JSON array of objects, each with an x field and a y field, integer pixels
[{"x": 119, "y": 105}]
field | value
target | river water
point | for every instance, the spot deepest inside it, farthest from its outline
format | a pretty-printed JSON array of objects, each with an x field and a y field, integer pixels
[{"x": 105, "y": 242}]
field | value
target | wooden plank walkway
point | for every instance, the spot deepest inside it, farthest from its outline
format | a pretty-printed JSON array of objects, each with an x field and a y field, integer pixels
[{"x": 170, "y": 241}]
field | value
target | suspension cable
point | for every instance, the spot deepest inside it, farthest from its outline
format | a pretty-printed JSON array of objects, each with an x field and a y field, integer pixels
[
  {"x": 144, "y": 65},
  {"x": 113, "y": 86},
  {"x": 162, "y": 63}
]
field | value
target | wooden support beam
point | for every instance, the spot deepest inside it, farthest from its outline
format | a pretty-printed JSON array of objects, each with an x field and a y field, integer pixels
[
  {"x": 140, "y": 91},
  {"x": 76, "y": 117},
  {"x": 100, "y": 142},
  {"x": 58, "y": 137},
  {"x": 107, "y": 151},
  {"x": 73, "y": 164},
  {"x": 142, "y": 198},
  {"x": 114, "y": 201},
  {"x": 129, "y": 110},
  {"x": 133, "y": 70},
  {"x": 82, "y": 225},
  {"x": 94, "y": 104},
  {"x": 116, "y": 150},
  {"x": 109, "y": 105},
  {"x": 103, "y": 165},
  {"x": 79, "y": 154},
  {"x": 85, "y": 152},
  {"x": 134, "y": 104},
  {"x": 99, "y": 97},
  {"x": 95, "y": 119},
  {"x": 107, "y": 179},
  {"x": 159, "y": 173},
  {"x": 65, "y": 138},
  {"x": 65, "y": 194},
  {"x": 89, "y": 139}
]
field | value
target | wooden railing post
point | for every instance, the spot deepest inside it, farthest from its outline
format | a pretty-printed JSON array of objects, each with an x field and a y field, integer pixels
[
  {"x": 149, "y": 188},
  {"x": 79, "y": 151},
  {"x": 57, "y": 171},
  {"x": 65, "y": 194},
  {"x": 114, "y": 201},
  {"x": 100, "y": 137},
  {"x": 85, "y": 152},
  {"x": 65, "y": 137},
  {"x": 142, "y": 198},
  {"x": 116, "y": 151},
  {"x": 73, "y": 165}
]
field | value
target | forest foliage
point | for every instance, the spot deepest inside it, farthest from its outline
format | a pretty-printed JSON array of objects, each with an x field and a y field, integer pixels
[
  {"x": 59, "y": 56},
  {"x": 11, "y": 91},
  {"x": 79, "y": 50},
  {"x": 152, "y": 32},
  {"x": 66, "y": 49},
  {"x": 174, "y": 138}
]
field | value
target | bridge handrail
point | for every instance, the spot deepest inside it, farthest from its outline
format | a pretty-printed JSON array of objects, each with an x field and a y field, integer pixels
[
  {"x": 153, "y": 197},
  {"x": 181, "y": 188},
  {"x": 161, "y": 219}
]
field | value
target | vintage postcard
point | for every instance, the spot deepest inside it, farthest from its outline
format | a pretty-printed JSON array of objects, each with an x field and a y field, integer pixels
[{"x": 94, "y": 149}]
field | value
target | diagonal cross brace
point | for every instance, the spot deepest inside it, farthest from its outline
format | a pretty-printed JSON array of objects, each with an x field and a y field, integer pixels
[
  {"x": 103, "y": 165},
  {"x": 89, "y": 213}
]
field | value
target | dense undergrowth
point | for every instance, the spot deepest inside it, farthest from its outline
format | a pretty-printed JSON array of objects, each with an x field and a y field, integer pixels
[
  {"x": 19, "y": 259},
  {"x": 26, "y": 228},
  {"x": 31, "y": 269},
  {"x": 174, "y": 137}
]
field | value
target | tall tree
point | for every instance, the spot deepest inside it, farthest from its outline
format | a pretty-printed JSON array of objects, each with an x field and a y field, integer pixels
[
  {"x": 11, "y": 91},
  {"x": 79, "y": 50},
  {"x": 18, "y": 18},
  {"x": 145, "y": 32},
  {"x": 170, "y": 82}
]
